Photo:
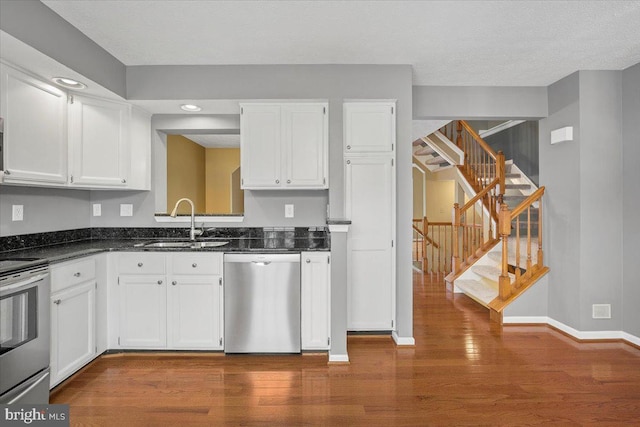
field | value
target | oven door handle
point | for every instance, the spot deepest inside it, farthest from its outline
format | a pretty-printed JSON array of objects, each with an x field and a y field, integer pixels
[
  {"x": 31, "y": 387},
  {"x": 22, "y": 284}
]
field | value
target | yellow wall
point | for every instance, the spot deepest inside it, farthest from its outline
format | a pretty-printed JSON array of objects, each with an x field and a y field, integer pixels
[
  {"x": 418, "y": 187},
  {"x": 440, "y": 199},
  {"x": 220, "y": 165},
  {"x": 185, "y": 174}
]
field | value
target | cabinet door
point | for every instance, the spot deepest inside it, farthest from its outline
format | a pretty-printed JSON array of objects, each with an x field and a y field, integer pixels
[
  {"x": 143, "y": 311},
  {"x": 369, "y": 127},
  {"x": 99, "y": 141},
  {"x": 73, "y": 335},
  {"x": 370, "y": 204},
  {"x": 305, "y": 145},
  {"x": 195, "y": 312},
  {"x": 315, "y": 295},
  {"x": 260, "y": 152},
  {"x": 35, "y": 132}
]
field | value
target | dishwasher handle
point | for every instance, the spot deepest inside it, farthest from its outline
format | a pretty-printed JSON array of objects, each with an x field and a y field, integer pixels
[{"x": 262, "y": 258}]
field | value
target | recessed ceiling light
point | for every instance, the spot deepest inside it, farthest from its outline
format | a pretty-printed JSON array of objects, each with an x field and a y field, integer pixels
[
  {"x": 69, "y": 83},
  {"x": 190, "y": 107}
]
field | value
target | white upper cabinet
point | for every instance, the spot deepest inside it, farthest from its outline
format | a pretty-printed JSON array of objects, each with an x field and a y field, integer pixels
[
  {"x": 369, "y": 127},
  {"x": 284, "y": 145},
  {"x": 260, "y": 146},
  {"x": 305, "y": 142},
  {"x": 35, "y": 130},
  {"x": 99, "y": 142},
  {"x": 55, "y": 139}
]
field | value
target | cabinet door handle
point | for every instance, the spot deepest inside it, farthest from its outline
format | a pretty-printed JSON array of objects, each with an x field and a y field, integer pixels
[
  {"x": 7, "y": 172},
  {"x": 194, "y": 265},
  {"x": 76, "y": 274},
  {"x": 348, "y": 162},
  {"x": 140, "y": 264},
  {"x": 308, "y": 261},
  {"x": 348, "y": 147},
  {"x": 159, "y": 282},
  {"x": 288, "y": 181},
  {"x": 277, "y": 181},
  {"x": 175, "y": 282},
  {"x": 57, "y": 301},
  {"x": 124, "y": 181}
]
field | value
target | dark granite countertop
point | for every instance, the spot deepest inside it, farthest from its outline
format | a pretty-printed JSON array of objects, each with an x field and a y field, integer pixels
[{"x": 251, "y": 240}]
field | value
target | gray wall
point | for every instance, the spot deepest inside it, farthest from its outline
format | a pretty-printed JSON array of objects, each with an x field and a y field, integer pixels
[
  {"x": 458, "y": 102},
  {"x": 631, "y": 199},
  {"x": 601, "y": 197},
  {"x": 583, "y": 210},
  {"x": 38, "y": 26},
  {"x": 45, "y": 209},
  {"x": 560, "y": 174}
]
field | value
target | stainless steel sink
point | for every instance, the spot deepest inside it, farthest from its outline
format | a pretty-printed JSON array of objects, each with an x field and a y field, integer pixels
[
  {"x": 168, "y": 245},
  {"x": 207, "y": 244},
  {"x": 193, "y": 245}
]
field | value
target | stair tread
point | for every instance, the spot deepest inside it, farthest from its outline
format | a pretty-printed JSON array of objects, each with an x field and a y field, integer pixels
[
  {"x": 478, "y": 290},
  {"x": 436, "y": 160},
  {"x": 518, "y": 186},
  {"x": 490, "y": 272},
  {"x": 423, "y": 151}
]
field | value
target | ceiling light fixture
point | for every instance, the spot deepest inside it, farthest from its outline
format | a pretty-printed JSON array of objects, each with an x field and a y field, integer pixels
[
  {"x": 69, "y": 83},
  {"x": 190, "y": 107}
]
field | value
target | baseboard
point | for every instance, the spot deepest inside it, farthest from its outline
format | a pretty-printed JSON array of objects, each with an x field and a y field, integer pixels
[
  {"x": 403, "y": 340},
  {"x": 338, "y": 358},
  {"x": 528, "y": 320},
  {"x": 579, "y": 335},
  {"x": 631, "y": 338}
]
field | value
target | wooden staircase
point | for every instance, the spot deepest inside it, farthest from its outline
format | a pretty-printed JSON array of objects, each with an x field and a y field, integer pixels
[{"x": 496, "y": 237}]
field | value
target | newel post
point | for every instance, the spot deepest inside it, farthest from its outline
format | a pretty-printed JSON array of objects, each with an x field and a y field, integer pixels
[
  {"x": 504, "y": 228},
  {"x": 455, "y": 257}
]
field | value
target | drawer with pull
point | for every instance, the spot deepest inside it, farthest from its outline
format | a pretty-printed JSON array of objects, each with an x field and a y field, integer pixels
[
  {"x": 71, "y": 273},
  {"x": 186, "y": 263},
  {"x": 141, "y": 263}
]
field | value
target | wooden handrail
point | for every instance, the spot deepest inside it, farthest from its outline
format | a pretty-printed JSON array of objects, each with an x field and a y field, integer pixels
[
  {"x": 480, "y": 195},
  {"x": 527, "y": 202},
  {"x": 424, "y": 235},
  {"x": 479, "y": 140}
]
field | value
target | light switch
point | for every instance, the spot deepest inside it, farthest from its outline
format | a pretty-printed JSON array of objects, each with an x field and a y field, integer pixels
[
  {"x": 97, "y": 209},
  {"x": 288, "y": 211},
  {"x": 17, "y": 213},
  {"x": 126, "y": 209}
]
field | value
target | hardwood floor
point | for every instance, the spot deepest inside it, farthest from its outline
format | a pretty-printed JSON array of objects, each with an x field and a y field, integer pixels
[{"x": 462, "y": 371}]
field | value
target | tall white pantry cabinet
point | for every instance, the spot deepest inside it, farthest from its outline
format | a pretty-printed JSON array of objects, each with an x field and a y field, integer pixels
[{"x": 370, "y": 200}]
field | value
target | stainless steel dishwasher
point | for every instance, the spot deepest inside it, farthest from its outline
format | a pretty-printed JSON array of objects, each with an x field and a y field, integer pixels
[{"x": 262, "y": 303}]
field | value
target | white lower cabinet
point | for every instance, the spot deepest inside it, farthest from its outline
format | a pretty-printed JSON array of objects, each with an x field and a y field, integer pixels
[
  {"x": 170, "y": 301},
  {"x": 315, "y": 295},
  {"x": 143, "y": 318},
  {"x": 194, "y": 307},
  {"x": 73, "y": 317}
]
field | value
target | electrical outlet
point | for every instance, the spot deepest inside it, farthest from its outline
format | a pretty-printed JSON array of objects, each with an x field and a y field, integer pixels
[
  {"x": 126, "y": 209},
  {"x": 97, "y": 209},
  {"x": 17, "y": 213},
  {"x": 288, "y": 211}
]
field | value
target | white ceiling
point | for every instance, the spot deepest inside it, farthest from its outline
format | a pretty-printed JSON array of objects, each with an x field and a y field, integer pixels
[
  {"x": 215, "y": 141},
  {"x": 485, "y": 43}
]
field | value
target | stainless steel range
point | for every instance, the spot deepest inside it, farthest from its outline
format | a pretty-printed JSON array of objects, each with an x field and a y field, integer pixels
[{"x": 24, "y": 331}]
